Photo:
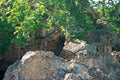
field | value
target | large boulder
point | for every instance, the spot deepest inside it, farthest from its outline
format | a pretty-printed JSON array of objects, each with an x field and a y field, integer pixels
[{"x": 34, "y": 65}]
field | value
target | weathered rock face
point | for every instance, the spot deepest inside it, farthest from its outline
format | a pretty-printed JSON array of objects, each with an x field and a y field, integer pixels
[
  {"x": 97, "y": 54},
  {"x": 55, "y": 43},
  {"x": 50, "y": 41},
  {"x": 103, "y": 43},
  {"x": 40, "y": 65},
  {"x": 34, "y": 65},
  {"x": 102, "y": 38}
]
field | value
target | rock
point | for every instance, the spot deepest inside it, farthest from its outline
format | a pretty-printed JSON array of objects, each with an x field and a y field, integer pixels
[
  {"x": 72, "y": 76},
  {"x": 34, "y": 65},
  {"x": 92, "y": 51},
  {"x": 80, "y": 70},
  {"x": 95, "y": 72},
  {"x": 75, "y": 46},
  {"x": 102, "y": 38},
  {"x": 62, "y": 71},
  {"x": 116, "y": 41},
  {"x": 41, "y": 65},
  {"x": 52, "y": 41},
  {"x": 99, "y": 34},
  {"x": 73, "y": 49}
]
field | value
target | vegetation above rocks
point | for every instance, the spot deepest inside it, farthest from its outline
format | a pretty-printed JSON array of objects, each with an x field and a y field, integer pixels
[{"x": 21, "y": 20}]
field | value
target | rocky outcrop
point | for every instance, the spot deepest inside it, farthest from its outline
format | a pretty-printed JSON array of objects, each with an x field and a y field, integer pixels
[
  {"x": 80, "y": 60},
  {"x": 97, "y": 54},
  {"x": 34, "y": 65},
  {"x": 41, "y": 65},
  {"x": 102, "y": 38}
]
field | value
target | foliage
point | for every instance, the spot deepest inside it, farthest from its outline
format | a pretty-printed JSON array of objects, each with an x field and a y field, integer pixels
[
  {"x": 26, "y": 17},
  {"x": 109, "y": 12},
  {"x": 20, "y": 20},
  {"x": 6, "y": 31},
  {"x": 82, "y": 23},
  {"x": 114, "y": 15}
]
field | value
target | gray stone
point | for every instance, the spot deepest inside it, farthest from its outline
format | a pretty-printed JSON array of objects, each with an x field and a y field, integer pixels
[
  {"x": 62, "y": 71},
  {"x": 73, "y": 49},
  {"x": 34, "y": 65}
]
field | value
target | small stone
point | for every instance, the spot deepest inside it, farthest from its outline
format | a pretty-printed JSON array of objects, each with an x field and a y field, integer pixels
[{"x": 70, "y": 76}]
